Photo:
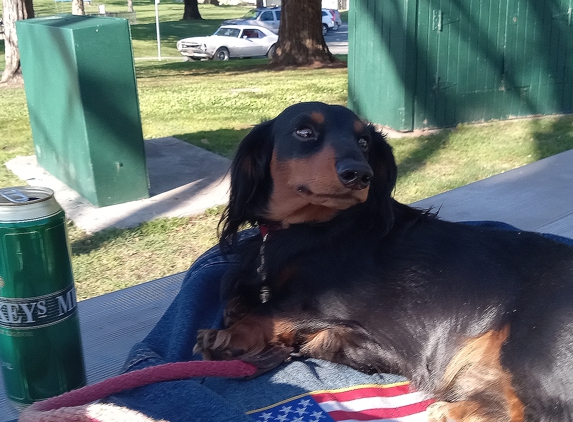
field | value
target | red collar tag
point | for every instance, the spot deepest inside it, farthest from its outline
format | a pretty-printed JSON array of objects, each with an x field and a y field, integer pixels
[{"x": 265, "y": 229}]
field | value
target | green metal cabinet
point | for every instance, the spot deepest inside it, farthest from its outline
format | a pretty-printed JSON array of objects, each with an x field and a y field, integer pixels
[
  {"x": 81, "y": 91},
  {"x": 435, "y": 63}
]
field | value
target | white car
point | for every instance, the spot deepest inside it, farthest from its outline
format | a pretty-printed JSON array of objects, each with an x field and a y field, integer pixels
[{"x": 230, "y": 41}]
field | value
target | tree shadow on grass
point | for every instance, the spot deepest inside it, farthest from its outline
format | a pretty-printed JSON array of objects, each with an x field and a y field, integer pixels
[
  {"x": 208, "y": 67},
  {"x": 552, "y": 136},
  {"x": 96, "y": 241},
  {"x": 175, "y": 30},
  {"x": 429, "y": 145},
  {"x": 201, "y": 68},
  {"x": 223, "y": 142}
]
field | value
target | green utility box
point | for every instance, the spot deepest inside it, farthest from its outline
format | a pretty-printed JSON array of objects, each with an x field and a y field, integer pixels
[
  {"x": 80, "y": 86},
  {"x": 417, "y": 64}
]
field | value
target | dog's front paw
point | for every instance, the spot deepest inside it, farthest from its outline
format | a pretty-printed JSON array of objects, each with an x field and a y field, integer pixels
[
  {"x": 216, "y": 345},
  {"x": 229, "y": 345}
]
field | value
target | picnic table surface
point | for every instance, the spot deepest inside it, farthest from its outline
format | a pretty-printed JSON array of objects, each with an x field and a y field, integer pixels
[{"x": 536, "y": 197}]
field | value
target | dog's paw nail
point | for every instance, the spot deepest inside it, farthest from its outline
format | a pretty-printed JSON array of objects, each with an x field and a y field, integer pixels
[{"x": 221, "y": 340}]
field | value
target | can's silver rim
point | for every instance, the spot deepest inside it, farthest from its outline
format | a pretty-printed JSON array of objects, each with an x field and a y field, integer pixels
[{"x": 40, "y": 204}]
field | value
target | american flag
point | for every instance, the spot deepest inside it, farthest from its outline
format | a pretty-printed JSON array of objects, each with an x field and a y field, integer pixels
[{"x": 382, "y": 403}]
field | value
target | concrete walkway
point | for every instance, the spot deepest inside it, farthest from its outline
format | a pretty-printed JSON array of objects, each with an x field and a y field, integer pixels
[{"x": 184, "y": 180}]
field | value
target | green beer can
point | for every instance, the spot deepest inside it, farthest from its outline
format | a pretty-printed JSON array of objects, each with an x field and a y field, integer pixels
[{"x": 40, "y": 344}]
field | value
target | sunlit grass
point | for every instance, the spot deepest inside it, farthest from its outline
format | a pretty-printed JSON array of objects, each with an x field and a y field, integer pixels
[
  {"x": 205, "y": 108},
  {"x": 114, "y": 259},
  {"x": 455, "y": 157}
]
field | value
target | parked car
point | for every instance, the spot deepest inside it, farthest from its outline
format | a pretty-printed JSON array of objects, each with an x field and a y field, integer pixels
[
  {"x": 331, "y": 17},
  {"x": 230, "y": 41},
  {"x": 271, "y": 17},
  {"x": 266, "y": 17}
]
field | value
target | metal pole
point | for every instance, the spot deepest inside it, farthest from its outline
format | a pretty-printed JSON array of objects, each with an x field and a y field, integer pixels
[{"x": 157, "y": 29}]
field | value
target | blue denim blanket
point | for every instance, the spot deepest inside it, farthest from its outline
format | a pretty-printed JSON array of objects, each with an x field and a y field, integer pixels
[{"x": 285, "y": 394}]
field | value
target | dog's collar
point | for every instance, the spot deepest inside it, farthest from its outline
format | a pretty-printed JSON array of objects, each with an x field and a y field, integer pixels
[
  {"x": 265, "y": 292},
  {"x": 266, "y": 228}
]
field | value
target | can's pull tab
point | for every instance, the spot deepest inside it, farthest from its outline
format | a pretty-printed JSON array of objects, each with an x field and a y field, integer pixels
[{"x": 14, "y": 195}]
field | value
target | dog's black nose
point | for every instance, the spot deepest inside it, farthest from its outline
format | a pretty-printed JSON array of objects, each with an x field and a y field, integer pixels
[{"x": 354, "y": 178}]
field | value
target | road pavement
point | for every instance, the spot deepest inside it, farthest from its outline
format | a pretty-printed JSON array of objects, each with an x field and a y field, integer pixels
[{"x": 337, "y": 41}]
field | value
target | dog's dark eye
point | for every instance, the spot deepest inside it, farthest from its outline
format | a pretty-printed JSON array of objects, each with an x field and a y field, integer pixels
[
  {"x": 305, "y": 133},
  {"x": 363, "y": 144}
]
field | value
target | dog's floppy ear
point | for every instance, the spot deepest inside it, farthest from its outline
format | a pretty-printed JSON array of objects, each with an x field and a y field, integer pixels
[
  {"x": 250, "y": 182},
  {"x": 383, "y": 164}
]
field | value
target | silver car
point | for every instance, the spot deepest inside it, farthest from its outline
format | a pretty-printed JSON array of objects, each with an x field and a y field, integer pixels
[
  {"x": 230, "y": 41},
  {"x": 267, "y": 17}
]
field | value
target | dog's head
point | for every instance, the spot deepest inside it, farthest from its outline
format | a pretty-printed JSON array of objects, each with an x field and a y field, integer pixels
[{"x": 307, "y": 165}]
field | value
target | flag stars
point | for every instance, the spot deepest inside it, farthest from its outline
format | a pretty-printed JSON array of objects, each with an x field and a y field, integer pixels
[
  {"x": 301, "y": 411},
  {"x": 264, "y": 417},
  {"x": 317, "y": 416},
  {"x": 368, "y": 402}
]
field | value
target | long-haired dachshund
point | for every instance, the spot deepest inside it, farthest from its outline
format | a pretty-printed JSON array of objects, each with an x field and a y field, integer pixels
[{"x": 481, "y": 319}]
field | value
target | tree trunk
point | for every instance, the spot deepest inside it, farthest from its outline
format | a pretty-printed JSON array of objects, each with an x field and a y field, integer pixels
[
  {"x": 78, "y": 7},
  {"x": 191, "y": 10},
  {"x": 14, "y": 10},
  {"x": 301, "y": 42},
  {"x": 260, "y": 3}
]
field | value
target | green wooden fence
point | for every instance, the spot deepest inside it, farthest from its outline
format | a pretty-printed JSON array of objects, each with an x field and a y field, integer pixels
[{"x": 436, "y": 63}]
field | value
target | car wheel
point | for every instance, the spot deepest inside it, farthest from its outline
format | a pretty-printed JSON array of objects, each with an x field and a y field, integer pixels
[
  {"x": 222, "y": 54},
  {"x": 324, "y": 29},
  {"x": 272, "y": 51}
]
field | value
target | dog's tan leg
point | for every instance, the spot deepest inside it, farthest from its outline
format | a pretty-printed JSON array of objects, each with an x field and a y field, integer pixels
[
  {"x": 467, "y": 411},
  {"x": 443, "y": 411},
  {"x": 476, "y": 387}
]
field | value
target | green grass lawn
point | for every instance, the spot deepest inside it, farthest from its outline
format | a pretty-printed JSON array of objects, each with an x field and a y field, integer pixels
[{"x": 213, "y": 105}]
